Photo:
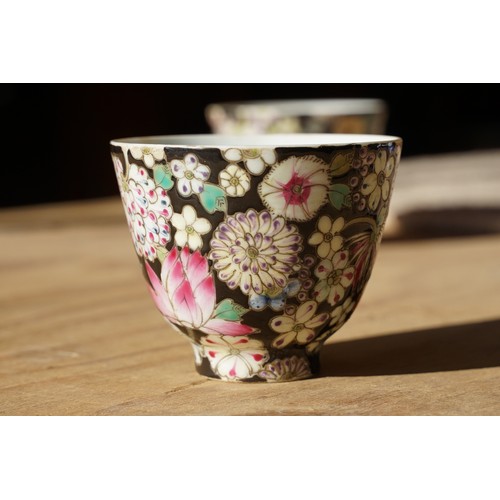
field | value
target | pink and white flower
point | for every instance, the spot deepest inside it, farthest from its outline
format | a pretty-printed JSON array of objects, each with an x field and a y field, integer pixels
[
  {"x": 301, "y": 327},
  {"x": 234, "y": 358},
  {"x": 191, "y": 175},
  {"x": 334, "y": 277},
  {"x": 255, "y": 251},
  {"x": 296, "y": 188},
  {"x": 186, "y": 294},
  {"x": 282, "y": 370},
  {"x": 148, "y": 210}
]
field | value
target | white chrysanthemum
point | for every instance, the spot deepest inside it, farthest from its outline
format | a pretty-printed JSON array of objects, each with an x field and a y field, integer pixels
[{"x": 255, "y": 251}]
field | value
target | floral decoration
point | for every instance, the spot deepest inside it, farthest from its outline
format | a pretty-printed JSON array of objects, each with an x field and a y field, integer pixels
[
  {"x": 186, "y": 295},
  {"x": 191, "y": 175},
  {"x": 148, "y": 155},
  {"x": 118, "y": 167},
  {"x": 148, "y": 210},
  {"x": 363, "y": 249},
  {"x": 334, "y": 278},
  {"x": 364, "y": 159},
  {"x": 234, "y": 358},
  {"x": 377, "y": 185},
  {"x": 234, "y": 180},
  {"x": 255, "y": 160},
  {"x": 282, "y": 370},
  {"x": 304, "y": 277},
  {"x": 337, "y": 319},
  {"x": 339, "y": 315},
  {"x": 189, "y": 228},
  {"x": 256, "y": 255},
  {"x": 327, "y": 237},
  {"x": 255, "y": 251},
  {"x": 296, "y": 188},
  {"x": 300, "y": 327}
]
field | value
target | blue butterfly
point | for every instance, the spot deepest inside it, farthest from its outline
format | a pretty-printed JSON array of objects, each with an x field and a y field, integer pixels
[{"x": 274, "y": 299}]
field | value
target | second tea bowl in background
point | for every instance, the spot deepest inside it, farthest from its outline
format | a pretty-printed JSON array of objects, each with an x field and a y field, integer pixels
[{"x": 341, "y": 116}]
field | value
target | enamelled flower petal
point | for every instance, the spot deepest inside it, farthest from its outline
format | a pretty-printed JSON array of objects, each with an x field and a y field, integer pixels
[
  {"x": 190, "y": 228},
  {"x": 148, "y": 155},
  {"x": 255, "y": 251},
  {"x": 281, "y": 370},
  {"x": 186, "y": 294},
  {"x": 301, "y": 327},
  {"x": 234, "y": 358},
  {"x": 234, "y": 180},
  {"x": 255, "y": 160},
  {"x": 148, "y": 210},
  {"x": 334, "y": 278},
  {"x": 338, "y": 317},
  {"x": 296, "y": 188},
  {"x": 191, "y": 175},
  {"x": 377, "y": 185},
  {"x": 327, "y": 237}
]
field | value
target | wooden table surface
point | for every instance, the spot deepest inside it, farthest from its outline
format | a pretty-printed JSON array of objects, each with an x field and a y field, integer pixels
[{"x": 79, "y": 334}]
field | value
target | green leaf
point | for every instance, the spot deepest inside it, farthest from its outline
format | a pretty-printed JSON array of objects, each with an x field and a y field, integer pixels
[
  {"x": 213, "y": 198},
  {"x": 227, "y": 309},
  {"x": 342, "y": 163},
  {"x": 340, "y": 196},
  {"x": 163, "y": 176},
  {"x": 161, "y": 253}
]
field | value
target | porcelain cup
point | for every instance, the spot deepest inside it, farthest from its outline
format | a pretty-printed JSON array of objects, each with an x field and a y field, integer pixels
[{"x": 256, "y": 248}]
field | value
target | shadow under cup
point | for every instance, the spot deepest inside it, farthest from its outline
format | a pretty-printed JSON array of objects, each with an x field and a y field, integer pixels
[{"x": 256, "y": 248}]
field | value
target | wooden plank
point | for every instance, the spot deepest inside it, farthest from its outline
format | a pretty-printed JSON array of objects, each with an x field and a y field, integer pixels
[
  {"x": 453, "y": 194},
  {"x": 79, "y": 334}
]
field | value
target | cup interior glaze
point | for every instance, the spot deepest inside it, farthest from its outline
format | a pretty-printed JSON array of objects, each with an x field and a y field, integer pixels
[
  {"x": 361, "y": 116},
  {"x": 256, "y": 248}
]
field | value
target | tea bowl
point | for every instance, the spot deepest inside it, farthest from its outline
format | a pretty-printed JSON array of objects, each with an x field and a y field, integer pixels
[
  {"x": 359, "y": 116},
  {"x": 256, "y": 248}
]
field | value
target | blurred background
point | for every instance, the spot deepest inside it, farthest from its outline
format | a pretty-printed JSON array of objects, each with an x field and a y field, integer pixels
[{"x": 58, "y": 135}]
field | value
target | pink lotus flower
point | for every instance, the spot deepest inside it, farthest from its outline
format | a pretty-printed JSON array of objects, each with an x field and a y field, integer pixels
[{"x": 186, "y": 294}]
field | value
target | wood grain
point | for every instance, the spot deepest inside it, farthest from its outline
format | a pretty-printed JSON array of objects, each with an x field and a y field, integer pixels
[
  {"x": 79, "y": 334},
  {"x": 454, "y": 194}
]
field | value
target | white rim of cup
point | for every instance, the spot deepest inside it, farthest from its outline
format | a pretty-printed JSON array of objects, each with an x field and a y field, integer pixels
[{"x": 198, "y": 141}]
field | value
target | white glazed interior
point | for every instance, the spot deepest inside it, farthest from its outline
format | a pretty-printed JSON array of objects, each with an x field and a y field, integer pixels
[{"x": 254, "y": 141}]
